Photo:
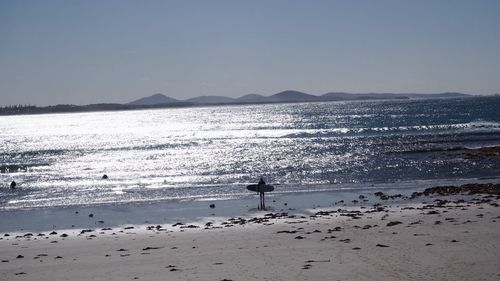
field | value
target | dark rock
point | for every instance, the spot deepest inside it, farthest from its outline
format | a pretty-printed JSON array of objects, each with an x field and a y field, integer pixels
[
  {"x": 337, "y": 228},
  {"x": 287, "y": 231},
  {"x": 469, "y": 189},
  {"x": 13, "y": 184},
  {"x": 392, "y": 223},
  {"x": 151, "y": 248},
  {"x": 384, "y": 196},
  {"x": 190, "y": 226}
]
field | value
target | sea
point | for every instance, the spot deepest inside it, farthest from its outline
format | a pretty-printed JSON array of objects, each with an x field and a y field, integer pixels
[{"x": 160, "y": 157}]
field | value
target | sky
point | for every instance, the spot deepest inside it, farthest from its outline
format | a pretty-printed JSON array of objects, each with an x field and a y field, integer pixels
[{"x": 82, "y": 52}]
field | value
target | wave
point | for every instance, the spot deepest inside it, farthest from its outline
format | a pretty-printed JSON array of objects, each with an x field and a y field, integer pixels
[
  {"x": 13, "y": 168},
  {"x": 33, "y": 153},
  {"x": 483, "y": 125},
  {"x": 475, "y": 127}
]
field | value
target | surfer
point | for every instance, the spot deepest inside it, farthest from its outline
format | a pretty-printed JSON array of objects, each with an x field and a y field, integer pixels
[
  {"x": 13, "y": 185},
  {"x": 261, "y": 187}
]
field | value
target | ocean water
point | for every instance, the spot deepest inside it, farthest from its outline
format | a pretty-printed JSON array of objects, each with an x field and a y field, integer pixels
[{"x": 213, "y": 152}]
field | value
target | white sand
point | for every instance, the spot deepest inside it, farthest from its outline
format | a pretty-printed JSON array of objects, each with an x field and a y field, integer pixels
[{"x": 258, "y": 252}]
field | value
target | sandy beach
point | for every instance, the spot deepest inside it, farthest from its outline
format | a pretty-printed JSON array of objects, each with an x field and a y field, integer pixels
[{"x": 442, "y": 239}]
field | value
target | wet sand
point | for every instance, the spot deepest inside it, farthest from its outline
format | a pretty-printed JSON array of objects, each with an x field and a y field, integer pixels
[{"x": 447, "y": 238}]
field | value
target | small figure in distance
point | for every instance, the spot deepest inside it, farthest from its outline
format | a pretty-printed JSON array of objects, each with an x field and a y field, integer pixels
[
  {"x": 262, "y": 182},
  {"x": 105, "y": 177},
  {"x": 13, "y": 185}
]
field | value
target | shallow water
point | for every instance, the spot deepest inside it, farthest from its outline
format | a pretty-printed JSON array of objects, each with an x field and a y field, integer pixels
[{"x": 205, "y": 153}]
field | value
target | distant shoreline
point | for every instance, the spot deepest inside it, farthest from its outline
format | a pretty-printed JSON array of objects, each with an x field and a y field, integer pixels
[{"x": 70, "y": 108}]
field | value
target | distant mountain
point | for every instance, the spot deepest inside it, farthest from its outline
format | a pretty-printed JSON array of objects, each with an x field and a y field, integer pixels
[
  {"x": 154, "y": 100},
  {"x": 211, "y": 100},
  {"x": 162, "y": 101},
  {"x": 285, "y": 96},
  {"x": 252, "y": 98},
  {"x": 292, "y": 96}
]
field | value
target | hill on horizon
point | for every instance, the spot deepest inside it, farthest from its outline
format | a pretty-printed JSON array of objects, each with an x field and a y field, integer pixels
[
  {"x": 160, "y": 101},
  {"x": 292, "y": 96},
  {"x": 286, "y": 96},
  {"x": 154, "y": 100}
]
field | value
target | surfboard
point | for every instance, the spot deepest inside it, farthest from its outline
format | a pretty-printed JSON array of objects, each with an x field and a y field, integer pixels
[{"x": 260, "y": 188}]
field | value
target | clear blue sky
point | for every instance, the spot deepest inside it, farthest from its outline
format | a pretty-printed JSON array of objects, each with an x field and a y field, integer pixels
[{"x": 116, "y": 51}]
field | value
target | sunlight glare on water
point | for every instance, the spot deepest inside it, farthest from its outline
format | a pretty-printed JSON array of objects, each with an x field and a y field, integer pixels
[{"x": 181, "y": 153}]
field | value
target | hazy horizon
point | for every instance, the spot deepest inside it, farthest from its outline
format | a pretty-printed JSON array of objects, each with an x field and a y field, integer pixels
[{"x": 70, "y": 52}]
